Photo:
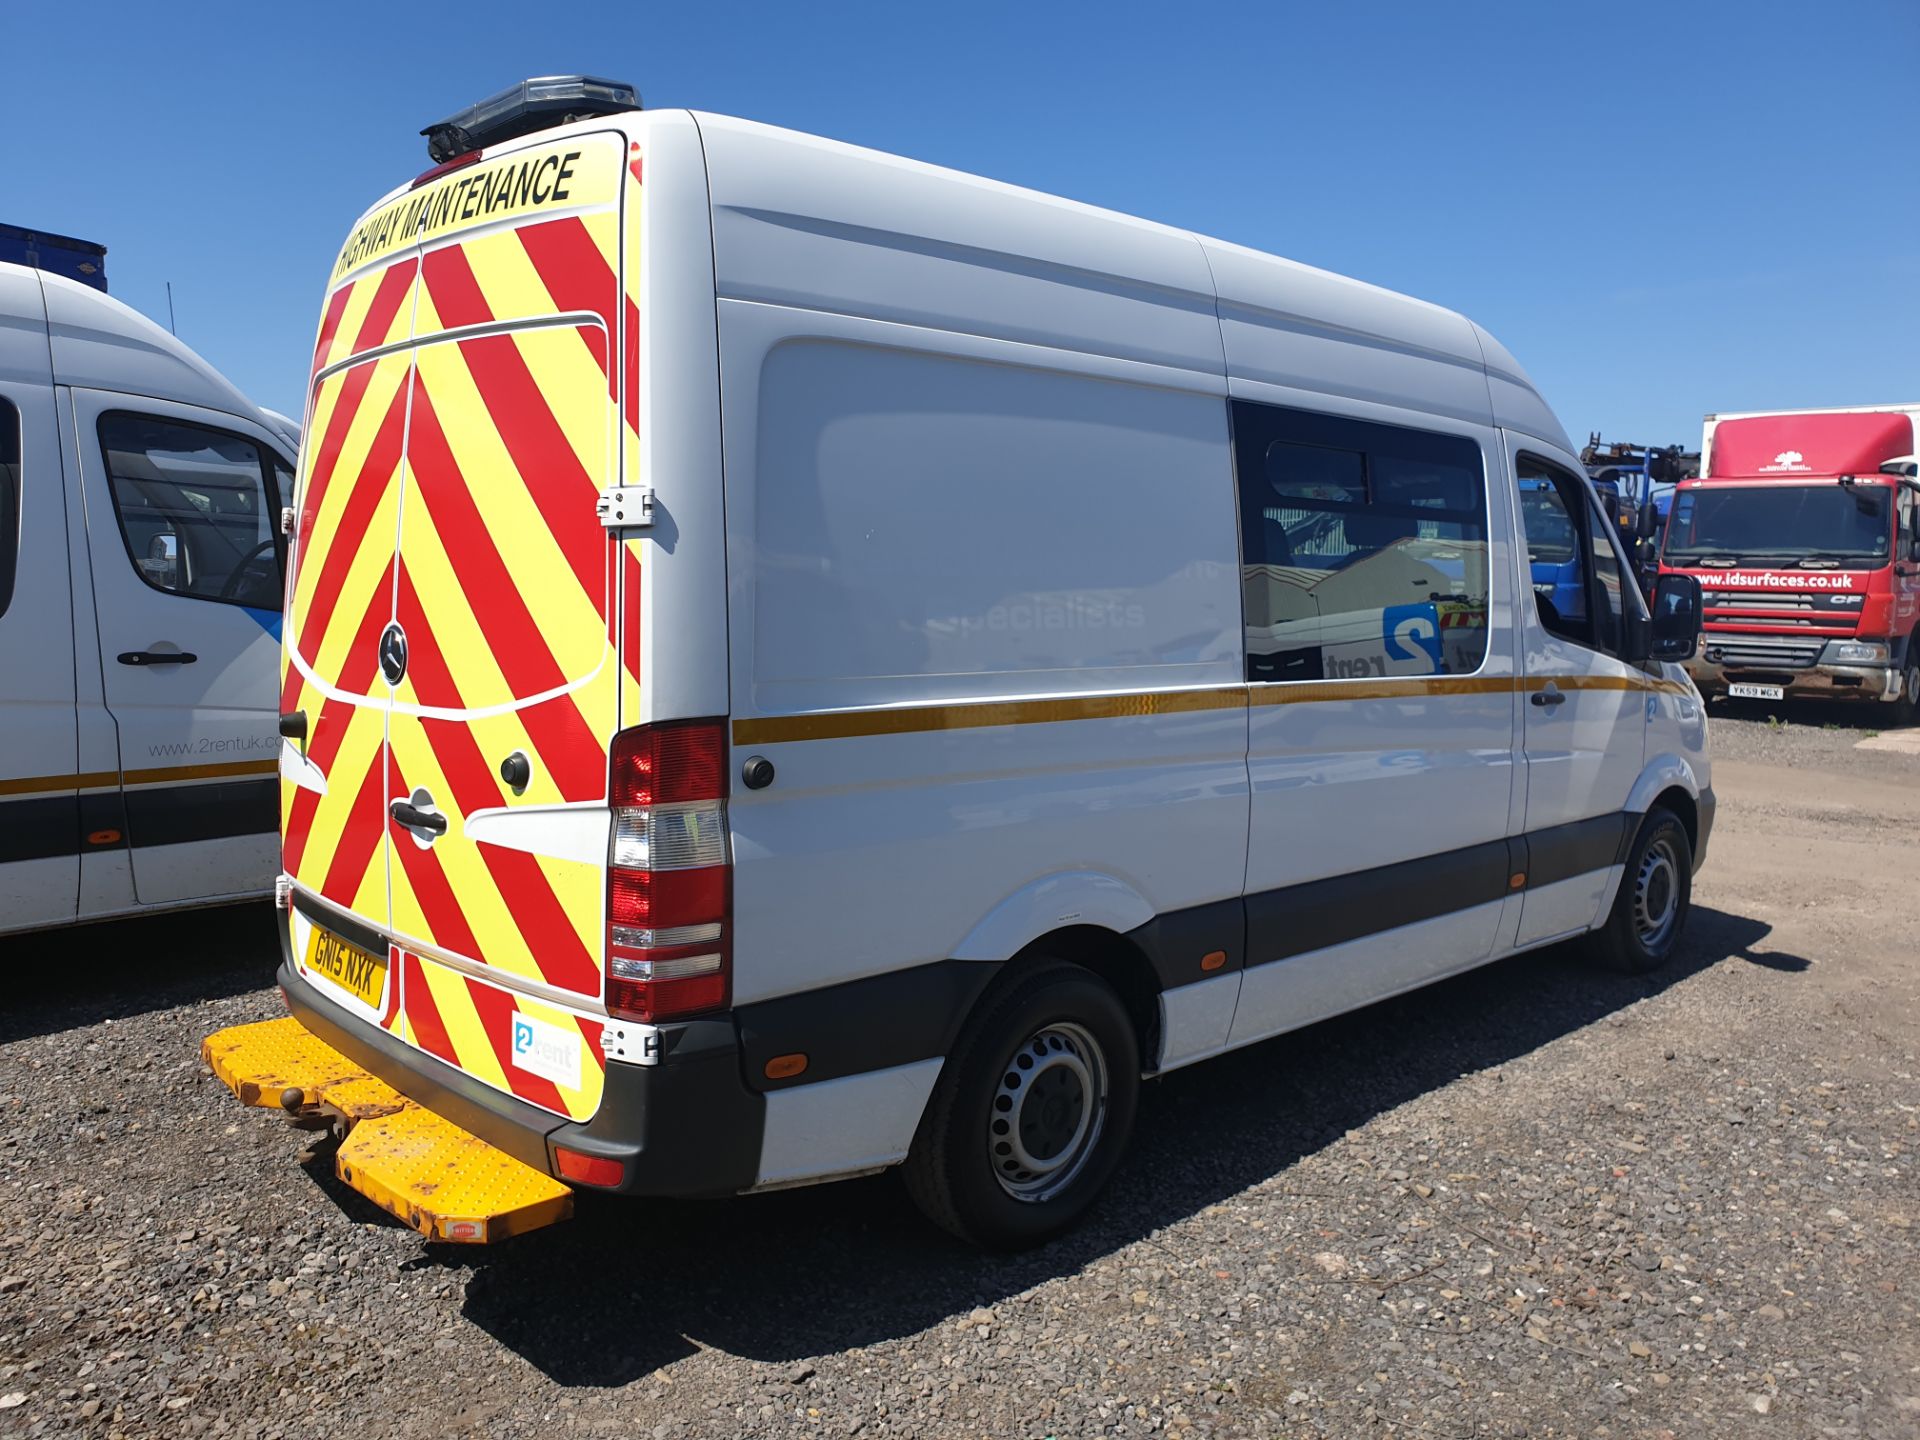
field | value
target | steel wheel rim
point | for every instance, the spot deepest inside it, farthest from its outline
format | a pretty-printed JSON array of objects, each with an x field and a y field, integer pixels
[
  {"x": 1048, "y": 1113},
  {"x": 1656, "y": 894}
]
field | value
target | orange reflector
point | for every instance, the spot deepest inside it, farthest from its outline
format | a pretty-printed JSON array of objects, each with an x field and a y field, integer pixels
[
  {"x": 785, "y": 1067},
  {"x": 588, "y": 1169},
  {"x": 1517, "y": 881},
  {"x": 1213, "y": 960},
  {"x": 103, "y": 837}
]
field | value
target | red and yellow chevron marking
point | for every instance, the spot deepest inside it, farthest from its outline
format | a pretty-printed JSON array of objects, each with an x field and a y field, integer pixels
[
  {"x": 505, "y": 593},
  {"x": 340, "y": 599},
  {"x": 483, "y": 543},
  {"x": 469, "y": 1024},
  {"x": 364, "y": 313}
]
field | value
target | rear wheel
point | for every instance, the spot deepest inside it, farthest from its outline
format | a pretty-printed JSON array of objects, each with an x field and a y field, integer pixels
[
  {"x": 1032, "y": 1111},
  {"x": 1656, "y": 891}
]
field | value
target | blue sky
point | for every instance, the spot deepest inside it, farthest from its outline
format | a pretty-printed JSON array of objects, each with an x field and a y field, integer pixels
[{"x": 1662, "y": 209}]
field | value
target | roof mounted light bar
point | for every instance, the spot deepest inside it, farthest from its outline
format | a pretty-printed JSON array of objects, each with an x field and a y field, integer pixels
[{"x": 537, "y": 104}]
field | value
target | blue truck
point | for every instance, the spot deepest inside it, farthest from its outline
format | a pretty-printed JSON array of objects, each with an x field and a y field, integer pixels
[{"x": 81, "y": 260}]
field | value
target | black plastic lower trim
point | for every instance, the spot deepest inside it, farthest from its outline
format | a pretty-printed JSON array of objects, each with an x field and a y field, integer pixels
[
  {"x": 1299, "y": 918},
  {"x": 874, "y": 1023},
  {"x": 45, "y": 827},
  {"x": 1177, "y": 942},
  {"x": 1564, "y": 851},
  {"x": 1312, "y": 916},
  {"x": 178, "y": 814}
]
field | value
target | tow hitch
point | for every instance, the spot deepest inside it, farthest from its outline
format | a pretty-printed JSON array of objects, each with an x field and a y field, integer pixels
[{"x": 426, "y": 1171}]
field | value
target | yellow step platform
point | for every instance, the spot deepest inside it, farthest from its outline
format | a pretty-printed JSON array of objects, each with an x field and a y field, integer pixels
[{"x": 433, "y": 1175}]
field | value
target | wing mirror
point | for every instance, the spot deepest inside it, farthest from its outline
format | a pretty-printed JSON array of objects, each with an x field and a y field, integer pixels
[
  {"x": 1676, "y": 618},
  {"x": 162, "y": 565}
]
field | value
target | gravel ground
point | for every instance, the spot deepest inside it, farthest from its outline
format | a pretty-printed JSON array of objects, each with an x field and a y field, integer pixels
[{"x": 1535, "y": 1200}]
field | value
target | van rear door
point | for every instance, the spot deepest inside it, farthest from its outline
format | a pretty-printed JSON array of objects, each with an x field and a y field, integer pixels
[
  {"x": 340, "y": 592},
  {"x": 505, "y": 693}
]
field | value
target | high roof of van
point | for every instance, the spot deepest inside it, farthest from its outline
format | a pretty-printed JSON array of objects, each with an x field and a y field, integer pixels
[
  {"x": 944, "y": 248},
  {"x": 100, "y": 343},
  {"x": 802, "y": 220}
]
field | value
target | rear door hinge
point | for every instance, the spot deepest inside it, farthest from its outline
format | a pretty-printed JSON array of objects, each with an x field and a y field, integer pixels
[{"x": 624, "y": 507}]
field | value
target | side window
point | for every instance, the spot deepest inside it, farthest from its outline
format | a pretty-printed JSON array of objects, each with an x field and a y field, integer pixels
[
  {"x": 1364, "y": 547},
  {"x": 9, "y": 499},
  {"x": 193, "y": 508},
  {"x": 1578, "y": 584}
]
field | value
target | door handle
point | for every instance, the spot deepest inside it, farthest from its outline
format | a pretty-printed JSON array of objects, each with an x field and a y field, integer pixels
[
  {"x": 157, "y": 657},
  {"x": 414, "y": 818},
  {"x": 1549, "y": 696}
]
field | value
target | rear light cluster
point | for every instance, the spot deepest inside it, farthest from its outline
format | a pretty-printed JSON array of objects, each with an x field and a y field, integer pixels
[{"x": 669, "y": 886}]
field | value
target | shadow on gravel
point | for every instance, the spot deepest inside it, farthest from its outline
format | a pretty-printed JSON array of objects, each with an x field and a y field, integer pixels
[
  {"x": 629, "y": 1286},
  {"x": 57, "y": 979}
]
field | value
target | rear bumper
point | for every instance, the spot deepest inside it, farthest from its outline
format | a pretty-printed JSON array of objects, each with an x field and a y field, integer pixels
[
  {"x": 688, "y": 1126},
  {"x": 1816, "y": 682}
]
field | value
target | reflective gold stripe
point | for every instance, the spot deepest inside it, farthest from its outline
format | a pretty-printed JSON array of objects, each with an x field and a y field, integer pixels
[
  {"x": 42, "y": 784},
  {"x": 920, "y": 719},
  {"x": 847, "y": 724},
  {"x": 1307, "y": 692},
  {"x": 101, "y": 779}
]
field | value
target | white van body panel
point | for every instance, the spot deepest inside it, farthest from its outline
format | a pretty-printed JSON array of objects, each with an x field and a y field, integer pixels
[
  {"x": 39, "y": 875},
  {"x": 1076, "y": 897},
  {"x": 1517, "y": 405},
  {"x": 100, "y": 344},
  {"x": 164, "y": 744},
  {"x": 844, "y": 1127},
  {"x": 1290, "y": 325},
  {"x": 1157, "y": 801},
  {"x": 683, "y": 611},
  {"x": 814, "y": 224}
]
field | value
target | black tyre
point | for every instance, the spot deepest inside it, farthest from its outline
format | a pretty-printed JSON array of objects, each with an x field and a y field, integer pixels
[
  {"x": 1643, "y": 929},
  {"x": 1032, "y": 1112}
]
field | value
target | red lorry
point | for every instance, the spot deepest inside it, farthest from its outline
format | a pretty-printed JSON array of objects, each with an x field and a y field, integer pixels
[{"x": 1803, "y": 533}]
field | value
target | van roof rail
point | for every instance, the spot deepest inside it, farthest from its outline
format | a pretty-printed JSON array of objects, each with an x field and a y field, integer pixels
[{"x": 536, "y": 104}]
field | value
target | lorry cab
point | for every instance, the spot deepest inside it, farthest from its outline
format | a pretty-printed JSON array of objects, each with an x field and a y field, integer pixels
[
  {"x": 1802, "y": 533},
  {"x": 799, "y": 661},
  {"x": 140, "y": 580}
]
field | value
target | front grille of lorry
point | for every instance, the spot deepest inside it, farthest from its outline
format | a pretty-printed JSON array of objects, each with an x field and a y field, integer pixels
[{"x": 1773, "y": 652}]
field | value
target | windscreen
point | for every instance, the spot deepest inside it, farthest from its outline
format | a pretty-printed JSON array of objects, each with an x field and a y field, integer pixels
[{"x": 1750, "y": 524}]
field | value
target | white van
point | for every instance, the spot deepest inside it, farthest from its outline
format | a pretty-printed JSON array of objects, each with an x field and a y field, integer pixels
[
  {"x": 803, "y": 661},
  {"x": 140, "y": 583}
]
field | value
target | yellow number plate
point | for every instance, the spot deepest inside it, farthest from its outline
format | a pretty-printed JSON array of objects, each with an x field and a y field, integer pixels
[{"x": 361, "y": 975}]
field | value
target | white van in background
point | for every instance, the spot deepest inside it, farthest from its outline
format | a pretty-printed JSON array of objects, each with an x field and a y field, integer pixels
[{"x": 140, "y": 588}]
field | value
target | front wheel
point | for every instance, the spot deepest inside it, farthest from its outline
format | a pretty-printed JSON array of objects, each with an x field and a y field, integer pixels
[
  {"x": 1656, "y": 891},
  {"x": 1032, "y": 1111}
]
